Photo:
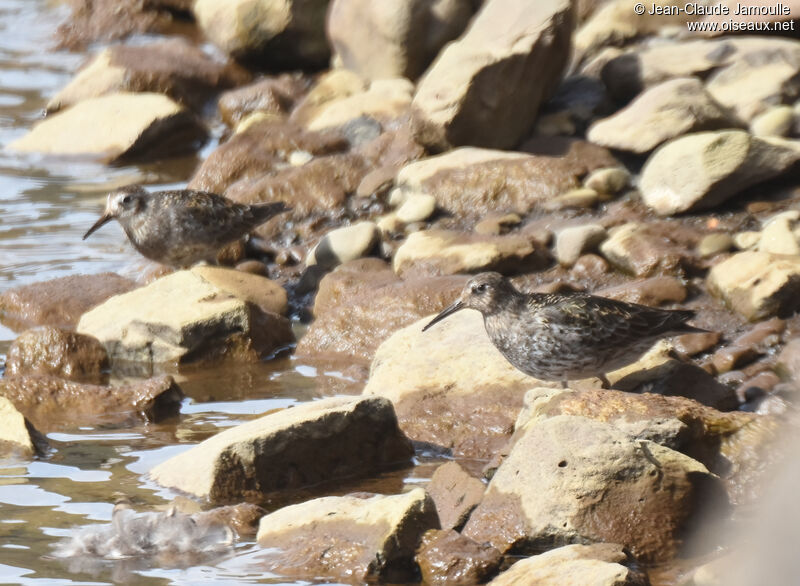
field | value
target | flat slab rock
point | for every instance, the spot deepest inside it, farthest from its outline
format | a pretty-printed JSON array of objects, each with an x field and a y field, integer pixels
[
  {"x": 296, "y": 447},
  {"x": 350, "y": 538},
  {"x": 51, "y": 403},
  {"x": 205, "y": 313},
  {"x": 17, "y": 436}
]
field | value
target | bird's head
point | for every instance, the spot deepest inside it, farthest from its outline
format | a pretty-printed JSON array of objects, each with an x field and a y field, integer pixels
[
  {"x": 121, "y": 204},
  {"x": 485, "y": 292}
]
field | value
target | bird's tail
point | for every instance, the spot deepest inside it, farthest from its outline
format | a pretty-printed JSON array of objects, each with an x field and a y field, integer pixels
[
  {"x": 678, "y": 319},
  {"x": 265, "y": 211}
]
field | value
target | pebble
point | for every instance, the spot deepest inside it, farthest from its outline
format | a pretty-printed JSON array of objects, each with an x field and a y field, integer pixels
[
  {"x": 299, "y": 158},
  {"x": 582, "y": 197},
  {"x": 776, "y": 121},
  {"x": 344, "y": 244},
  {"x": 777, "y": 237},
  {"x": 574, "y": 241},
  {"x": 746, "y": 240},
  {"x": 416, "y": 208},
  {"x": 715, "y": 243},
  {"x": 610, "y": 180}
]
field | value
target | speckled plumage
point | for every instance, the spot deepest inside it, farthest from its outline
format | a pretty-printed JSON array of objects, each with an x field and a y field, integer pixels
[
  {"x": 182, "y": 227},
  {"x": 565, "y": 337}
]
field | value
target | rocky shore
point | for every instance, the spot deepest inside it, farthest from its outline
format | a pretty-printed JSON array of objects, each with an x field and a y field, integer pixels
[{"x": 571, "y": 146}]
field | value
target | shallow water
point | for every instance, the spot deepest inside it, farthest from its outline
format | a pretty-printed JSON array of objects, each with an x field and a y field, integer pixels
[{"x": 46, "y": 205}]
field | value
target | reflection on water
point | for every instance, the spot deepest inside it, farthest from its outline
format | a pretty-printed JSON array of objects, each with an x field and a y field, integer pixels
[{"x": 46, "y": 206}]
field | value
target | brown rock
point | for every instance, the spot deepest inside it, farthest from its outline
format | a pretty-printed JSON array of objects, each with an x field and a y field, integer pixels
[
  {"x": 362, "y": 302},
  {"x": 654, "y": 291},
  {"x": 788, "y": 365},
  {"x": 644, "y": 249},
  {"x": 61, "y": 353},
  {"x": 242, "y": 518},
  {"x": 356, "y": 539},
  {"x": 455, "y": 493},
  {"x": 258, "y": 151},
  {"x": 272, "y": 95},
  {"x": 447, "y": 557},
  {"x": 54, "y": 403},
  {"x": 59, "y": 302},
  {"x": 569, "y": 478},
  {"x": 173, "y": 67},
  {"x": 748, "y": 347},
  {"x": 465, "y": 98}
]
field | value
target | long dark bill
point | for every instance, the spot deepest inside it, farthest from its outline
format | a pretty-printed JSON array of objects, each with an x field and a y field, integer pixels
[
  {"x": 104, "y": 219},
  {"x": 445, "y": 312}
]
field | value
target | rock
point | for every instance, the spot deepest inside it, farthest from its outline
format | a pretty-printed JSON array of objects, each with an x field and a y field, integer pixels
[
  {"x": 59, "y": 302},
  {"x": 200, "y": 314},
  {"x": 271, "y": 95},
  {"x": 788, "y": 365},
  {"x": 116, "y": 127},
  {"x": 333, "y": 438},
  {"x": 455, "y": 494},
  {"x": 757, "y": 285},
  {"x": 746, "y": 240},
  {"x": 173, "y": 67},
  {"x": 572, "y": 242},
  {"x": 582, "y": 197},
  {"x": 464, "y": 97},
  {"x": 639, "y": 249},
  {"x": 344, "y": 244},
  {"x": 777, "y": 121},
  {"x": 547, "y": 491},
  {"x": 274, "y": 34},
  {"x": 348, "y": 538},
  {"x": 496, "y": 224},
  {"x": 446, "y": 557},
  {"x": 242, "y": 518},
  {"x": 714, "y": 166},
  {"x": 471, "y": 183},
  {"x": 331, "y": 86},
  {"x": 461, "y": 396},
  {"x": 758, "y": 340},
  {"x": 17, "y": 436},
  {"x": 599, "y": 564},
  {"x": 393, "y": 39},
  {"x": 258, "y": 152},
  {"x": 52, "y": 403},
  {"x": 53, "y": 351},
  {"x": 654, "y": 291},
  {"x": 661, "y": 113},
  {"x": 363, "y": 302},
  {"x": 610, "y": 180},
  {"x": 446, "y": 252},
  {"x": 416, "y": 208},
  {"x": 384, "y": 100},
  {"x": 713, "y": 244},
  {"x": 777, "y": 237}
]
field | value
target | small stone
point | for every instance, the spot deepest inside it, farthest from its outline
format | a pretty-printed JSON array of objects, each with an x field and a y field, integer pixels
[
  {"x": 715, "y": 243},
  {"x": 746, "y": 240},
  {"x": 345, "y": 244},
  {"x": 416, "y": 208},
  {"x": 497, "y": 224},
  {"x": 299, "y": 158},
  {"x": 389, "y": 224},
  {"x": 610, "y": 180},
  {"x": 447, "y": 557},
  {"x": 582, "y": 197},
  {"x": 455, "y": 493},
  {"x": 788, "y": 216},
  {"x": 776, "y": 121},
  {"x": 777, "y": 237},
  {"x": 53, "y": 351},
  {"x": 572, "y": 242}
]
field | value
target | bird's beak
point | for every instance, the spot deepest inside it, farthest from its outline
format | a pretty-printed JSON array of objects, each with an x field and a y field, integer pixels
[
  {"x": 104, "y": 219},
  {"x": 458, "y": 305}
]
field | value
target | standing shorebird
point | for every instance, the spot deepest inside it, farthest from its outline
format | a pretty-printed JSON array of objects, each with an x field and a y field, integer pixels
[
  {"x": 558, "y": 337},
  {"x": 182, "y": 227}
]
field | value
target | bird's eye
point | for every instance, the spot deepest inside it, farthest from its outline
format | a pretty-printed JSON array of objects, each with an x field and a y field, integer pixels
[
  {"x": 126, "y": 200},
  {"x": 479, "y": 288}
]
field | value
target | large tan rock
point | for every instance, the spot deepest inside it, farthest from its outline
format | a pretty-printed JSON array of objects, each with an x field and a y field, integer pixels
[
  {"x": 700, "y": 171},
  {"x": 393, "y": 38},
  {"x": 174, "y": 67},
  {"x": 447, "y": 252},
  {"x": 17, "y": 435},
  {"x": 58, "y": 302},
  {"x": 339, "y": 437},
  {"x": 642, "y": 250},
  {"x": 663, "y": 112},
  {"x": 279, "y": 34},
  {"x": 200, "y": 314},
  {"x": 571, "y": 479},
  {"x": 384, "y": 100},
  {"x": 757, "y": 284},
  {"x": 599, "y": 564},
  {"x": 467, "y": 97},
  {"x": 347, "y": 537},
  {"x": 116, "y": 127},
  {"x": 363, "y": 302}
]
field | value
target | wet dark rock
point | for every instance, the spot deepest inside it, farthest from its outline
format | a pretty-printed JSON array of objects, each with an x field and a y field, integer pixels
[
  {"x": 546, "y": 491},
  {"x": 393, "y": 39},
  {"x": 455, "y": 493},
  {"x": 52, "y": 403},
  {"x": 748, "y": 347},
  {"x": 757, "y": 387},
  {"x": 788, "y": 365},
  {"x": 394, "y": 148},
  {"x": 362, "y": 302},
  {"x": 447, "y": 557},
  {"x": 260, "y": 150},
  {"x": 348, "y": 538},
  {"x": 339, "y": 437},
  {"x": 172, "y": 67},
  {"x": 57, "y": 352},
  {"x": 271, "y": 95},
  {"x": 692, "y": 344},
  {"x": 464, "y": 98},
  {"x": 59, "y": 302}
]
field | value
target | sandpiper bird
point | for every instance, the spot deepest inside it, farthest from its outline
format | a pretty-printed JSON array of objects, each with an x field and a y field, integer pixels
[
  {"x": 182, "y": 227},
  {"x": 563, "y": 337}
]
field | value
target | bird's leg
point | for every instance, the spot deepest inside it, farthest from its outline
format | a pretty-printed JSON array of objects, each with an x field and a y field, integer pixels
[
  {"x": 604, "y": 381},
  {"x": 564, "y": 383}
]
